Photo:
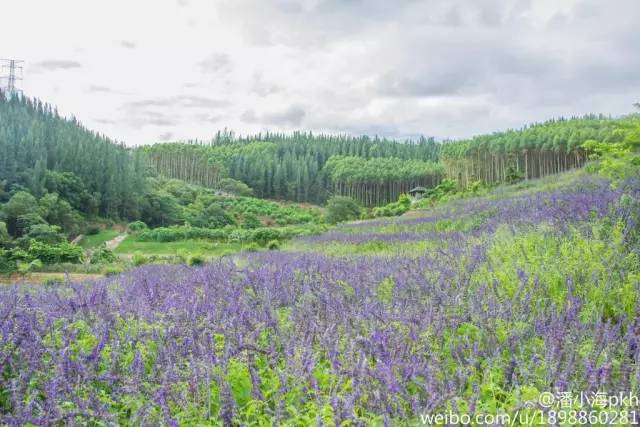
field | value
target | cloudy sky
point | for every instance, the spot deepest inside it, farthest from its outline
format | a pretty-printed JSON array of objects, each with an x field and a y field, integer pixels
[{"x": 156, "y": 70}]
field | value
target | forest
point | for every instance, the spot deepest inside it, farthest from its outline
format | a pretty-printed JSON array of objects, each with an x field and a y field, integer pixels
[{"x": 305, "y": 167}]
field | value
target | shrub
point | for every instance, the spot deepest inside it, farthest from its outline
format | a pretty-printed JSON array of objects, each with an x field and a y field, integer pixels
[
  {"x": 46, "y": 233},
  {"x": 103, "y": 256},
  {"x": 49, "y": 254},
  {"x": 92, "y": 230},
  {"x": 273, "y": 245},
  {"x": 394, "y": 209},
  {"x": 250, "y": 221},
  {"x": 136, "y": 226},
  {"x": 232, "y": 186},
  {"x": 139, "y": 259},
  {"x": 26, "y": 221},
  {"x": 7, "y": 265},
  {"x": 195, "y": 260},
  {"x": 4, "y": 234},
  {"x": 341, "y": 208}
]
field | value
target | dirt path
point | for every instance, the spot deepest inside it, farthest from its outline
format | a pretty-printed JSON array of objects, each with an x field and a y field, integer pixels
[
  {"x": 77, "y": 239},
  {"x": 114, "y": 243}
]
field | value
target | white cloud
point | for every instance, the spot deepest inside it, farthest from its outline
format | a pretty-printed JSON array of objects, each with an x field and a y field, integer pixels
[{"x": 448, "y": 68}]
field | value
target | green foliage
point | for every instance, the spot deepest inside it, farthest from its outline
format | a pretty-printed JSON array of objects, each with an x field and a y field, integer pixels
[
  {"x": 26, "y": 267},
  {"x": 616, "y": 161},
  {"x": 49, "y": 234},
  {"x": 394, "y": 209},
  {"x": 250, "y": 221},
  {"x": 96, "y": 240},
  {"x": 534, "y": 151},
  {"x": 137, "y": 226},
  {"x": 7, "y": 265},
  {"x": 273, "y": 245},
  {"x": 4, "y": 234},
  {"x": 21, "y": 203},
  {"x": 260, "y": 235},
  {"x": 92, "y": 230},
  {"x": 235, "y": 187},
  {"x": 341, "y": 208},
  {"x": 139, "y": 259},
  {"x": 276, "y": 166},
  {"x": 42, "y": 152},
  {"x": 251, "y": 247},
  {"x": 195, "y": 260},
  {"x": 102, "y": 255},
  {"x": 379, "y": 180},
  {"x": 51, "y": 254},
  {"x": 59, "y": 212},
  {"x": 25, "y": 222}
]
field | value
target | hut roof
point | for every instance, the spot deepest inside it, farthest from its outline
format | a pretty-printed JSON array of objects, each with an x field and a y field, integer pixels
[{"x": 418, "y": 190}]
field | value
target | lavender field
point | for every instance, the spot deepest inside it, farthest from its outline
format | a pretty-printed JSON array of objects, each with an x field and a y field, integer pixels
[{"x": 479, "y": 305}]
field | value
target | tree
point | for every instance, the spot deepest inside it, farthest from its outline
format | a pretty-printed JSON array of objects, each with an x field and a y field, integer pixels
[
  {"x": 21, "y": 203},
  {"x": 46, "y": 233},
  {"x": 341, "y": 208},
  {"x": 4, "y": 234}
]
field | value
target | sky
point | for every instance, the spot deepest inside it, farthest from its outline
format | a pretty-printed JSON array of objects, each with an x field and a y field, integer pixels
[{"x": 148, "y": 71}]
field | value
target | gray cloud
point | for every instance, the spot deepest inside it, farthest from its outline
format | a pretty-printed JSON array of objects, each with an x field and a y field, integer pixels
[
  {"x": 103, "y": 121},
  {"x": 290, "y": 117},
  {"x": 448, "y": 68},
  {"x": 216, "y": 63},
  {"x": 182, "y": 101},
  {"x": 166, "y": 136},
  {"x": 54, "y": 65},
  {"x": 264, "y": 88}
]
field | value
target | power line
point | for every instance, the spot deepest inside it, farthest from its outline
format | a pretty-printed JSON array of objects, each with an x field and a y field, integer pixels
[{"x": 11, "y": 72}]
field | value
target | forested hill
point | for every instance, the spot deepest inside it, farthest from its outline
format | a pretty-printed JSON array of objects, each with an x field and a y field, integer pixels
[
  {"x": 42, "y": 152},
  {"x": 531, "y": 152},
  {"x": 291, "y": 167},
  {"x": 306, "y": 167}
]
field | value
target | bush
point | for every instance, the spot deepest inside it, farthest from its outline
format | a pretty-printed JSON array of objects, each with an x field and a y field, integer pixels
[
  {"x": 45, "y": 233},
  {"x": 139, "y": 259},
  {"x": 273, "y": 245},
  {"x": 232, "y": 186},
  {"x": 4, "y": 234},
  {"x": 26, "y": 221},
  {"x": 394, "y": 209},
  {"x": 195, "y": 260},
  {"x": 92, "y": 230},
  {"x": 103, "y": 256},
  {"x": 49, "y": 254},
  {"x": 250, "y": 221},
  {"x": 7, "y": 265},
  {"x": 341, "y": 208},
  {"x": 137, "y": 226}
]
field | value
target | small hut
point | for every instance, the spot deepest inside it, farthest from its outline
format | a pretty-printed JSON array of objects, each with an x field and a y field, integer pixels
[{"x": 417, "y": 193}]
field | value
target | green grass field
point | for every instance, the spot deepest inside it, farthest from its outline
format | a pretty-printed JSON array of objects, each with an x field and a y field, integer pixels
[
  {"x": 185, "y": 247},
  {"x": 93, "y": 240}
]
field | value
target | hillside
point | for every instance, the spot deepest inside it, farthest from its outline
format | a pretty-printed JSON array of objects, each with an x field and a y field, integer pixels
[
  {"x": 304, "y": 167},
  {"x": 486, "y": 301}
]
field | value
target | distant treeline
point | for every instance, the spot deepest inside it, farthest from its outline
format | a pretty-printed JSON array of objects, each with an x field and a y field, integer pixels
[
  {"x": 293, "y": 167},
  {"x": 41, "y": 152},
  {"x": 305, "y": 167},
  {"x": 531, "y": 152}
]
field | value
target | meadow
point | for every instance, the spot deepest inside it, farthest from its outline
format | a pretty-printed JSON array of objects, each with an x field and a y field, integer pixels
[{"x": 476, "y": 306}]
